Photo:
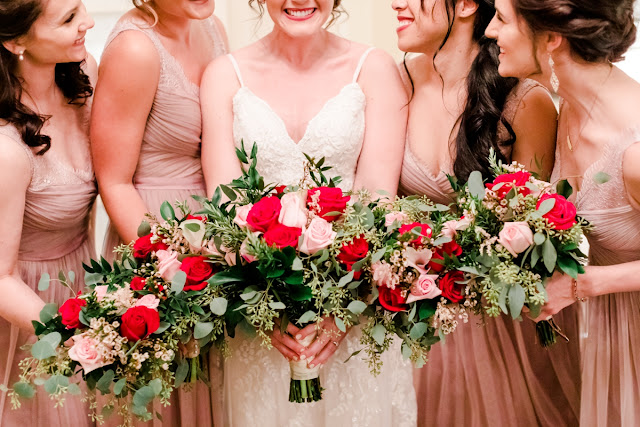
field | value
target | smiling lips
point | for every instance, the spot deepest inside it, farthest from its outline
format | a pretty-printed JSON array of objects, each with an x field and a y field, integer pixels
[
  {"x": 403, "y": 22},
  {"x": 300, "y": 14}
]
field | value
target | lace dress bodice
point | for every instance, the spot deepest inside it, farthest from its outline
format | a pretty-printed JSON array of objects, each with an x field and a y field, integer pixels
[{"x": 336, "y": 133}]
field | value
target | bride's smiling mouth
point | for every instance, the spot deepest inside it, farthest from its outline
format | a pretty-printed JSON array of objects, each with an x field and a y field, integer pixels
[{"x": 300, "y": 14}]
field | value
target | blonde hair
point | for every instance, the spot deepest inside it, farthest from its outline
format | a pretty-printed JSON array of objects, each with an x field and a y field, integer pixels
[{"x": 145, "y": 7}]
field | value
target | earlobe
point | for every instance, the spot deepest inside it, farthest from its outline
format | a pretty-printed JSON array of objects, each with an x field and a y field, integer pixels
[
  {"x": 13, "y": 47},
  {"x": 466, "y": 8},
  {"x": 553, "y": 41}
]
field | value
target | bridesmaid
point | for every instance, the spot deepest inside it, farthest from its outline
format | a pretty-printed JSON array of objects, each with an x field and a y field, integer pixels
[
  {"x": 146, "y": 132},
  {"x": 572, "y": 46},
  {"x": 47, "y": 187},
  {"x": 460, "y": 108}
]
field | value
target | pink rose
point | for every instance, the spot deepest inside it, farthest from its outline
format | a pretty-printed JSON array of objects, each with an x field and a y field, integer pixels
[
  {"x": 294, "y": 212},
  {"x": 85, "y": 352},
  {"x": 383, "y": 274},
  {"x": 168, "y": 264},
  {"x": 426, "y": 287},
  {"x": 451, "y": 228},
  {"x": 229, "y": 257},
  {"x": 516, "y": 237},
  {"x": 241, "y": 215},
  {"x": 418, "y": 259},
  {"x": 245, "y": 254},
  {"x": 319, "y": 235},
  {"x": 399, "y": 217},
  {"x": 101, "y": 291},
  {"x": 149, "y": 301}
]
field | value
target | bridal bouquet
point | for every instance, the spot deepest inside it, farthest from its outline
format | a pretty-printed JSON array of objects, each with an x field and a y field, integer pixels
[
  {"x": 138, "y": 329},
  {"x": 521, "y": 230},
  {"x": 295, "y": 254},
  {"x": 420, "y": 293}
]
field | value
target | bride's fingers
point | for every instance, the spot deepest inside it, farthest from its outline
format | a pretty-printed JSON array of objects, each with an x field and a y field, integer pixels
[
  {"x": 325, "y": 353},
  {"x": 286, "y": 340},
  {"x": 306, "y": 331},
  {"x": 284, "y": 350},
  {"x": 317, "y": 345}
]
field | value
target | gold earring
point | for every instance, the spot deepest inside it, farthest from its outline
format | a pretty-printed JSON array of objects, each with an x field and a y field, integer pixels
[{"x": 555, "y": 83}]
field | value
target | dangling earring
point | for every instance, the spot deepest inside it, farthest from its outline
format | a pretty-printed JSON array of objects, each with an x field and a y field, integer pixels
[
  {"x": 21, "y": 56},
  {"x": 555, "y": 83}
]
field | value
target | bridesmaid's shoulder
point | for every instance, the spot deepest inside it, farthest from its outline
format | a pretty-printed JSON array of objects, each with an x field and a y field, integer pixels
[
  {"x": 15, "y": 164},
  {"x": 131, "y": 44}
]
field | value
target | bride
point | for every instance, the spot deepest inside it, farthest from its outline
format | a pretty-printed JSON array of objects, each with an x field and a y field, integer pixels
[{"x": 301, "y": 90}]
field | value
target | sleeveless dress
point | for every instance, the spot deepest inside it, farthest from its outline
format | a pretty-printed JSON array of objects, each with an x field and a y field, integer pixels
[
  {"x": 492, "y": 371},
  {"x": 256, "y": 385},
  {"x": 611, "y": 354},
  {"x": 169, "y": 169},
  {"x": 57, "y": 235}
]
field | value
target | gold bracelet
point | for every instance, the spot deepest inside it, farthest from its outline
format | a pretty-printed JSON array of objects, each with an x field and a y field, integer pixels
[{"x": 575, "y": 292}]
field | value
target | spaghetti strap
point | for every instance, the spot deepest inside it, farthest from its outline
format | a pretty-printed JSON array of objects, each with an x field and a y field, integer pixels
[
  {"x": 236, "y": 67},
  {"x": 361, "y": 63}
]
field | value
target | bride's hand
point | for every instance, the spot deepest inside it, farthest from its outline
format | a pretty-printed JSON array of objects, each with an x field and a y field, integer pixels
[
  {"x": 326, "y": 343},
  {"x": 285, "y": 343}
]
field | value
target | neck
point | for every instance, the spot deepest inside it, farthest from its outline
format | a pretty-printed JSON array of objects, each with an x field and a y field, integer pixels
[
  {"x": 582, "y": 85},
  {"x": 453, "y": 62},
  {"x": 301, "y": 52},
  {"x": 173, "y": 27},
  {"x": 39, "y": 85}
]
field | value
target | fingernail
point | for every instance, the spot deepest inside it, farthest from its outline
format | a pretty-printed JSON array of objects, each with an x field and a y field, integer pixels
[
  {"x": 299, "y": 336},
  {"x": 303, "y": 357},
  {"x": 312, "y": 365},
  {"x": 295, "y": 358},
  {"x": 302, "y": 349},
  {"x": 311, "y": 358}
]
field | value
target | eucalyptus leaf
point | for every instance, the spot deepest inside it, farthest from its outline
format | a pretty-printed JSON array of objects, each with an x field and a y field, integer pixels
[
  {"x": 202, "y": 329},
  {"x": 346, "y": 279},
  {"x": 601, "y": 178},
  {"x": 53, "y": 384},
  {"x": 43, "y": 283},
  {"x": 277, "y": 305},
  {"x": 143, "y": 397},
  {"x": 92, "y": 278},
  {"x": 178, "y": 281},
  {"x": 442, "y": 240},
  {"x": 25, "y": 390},
  {"x": 74, "y": 389},
  {"x": 539, "y": 238},
  {"x": 357, "y": 307},
  {"x": 378, "y": 255},
  {"x": 307, "y": 317},
  {"x": 516, "y": 300},
  {"x": 340, "y": 324},
  {"x": 181, "y": 372},
  {"x": 43, "y": 350},
  {"x": 476, "y": 185},
  {"x": 156, "y": 385},
  {"x": 119, "y": 387},
  {"x": 297, "y": 264},
  {"x": 406, "y": 351},
  {"x": 219, "y": 306},
  {"x": 104, "y": 383},
  {"x": 546, "y": 206},
  {"x": 418, "y": 330},
  {"x": 378, "y": 332},
  {"x": 72, "y": 276},
  {"x": 549, "y": 255},
  {"x": 48, "y": 312}
]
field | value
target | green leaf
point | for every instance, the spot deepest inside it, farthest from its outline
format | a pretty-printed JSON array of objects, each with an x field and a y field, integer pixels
[
  {"x": 406, "y": 351},
  {"x": 346, "y": 279},
  {"x": 357, "y": 307},
  {"x": 426, "y": 311},
  {"x": 43, "y": 284},
  {"x": 378, "y": 255},
  {"x": 202, "y": 329},
  {"x": 569, "y": 266},
  {"x": 54, "y": 338},
  {"x": 340, "y": 324},
  {"x": 297, "y": 264},
  {"x": 418, "y": 330},
  {"x": 156, "y": 386},
  {"x": 564, "y": 189},
  {"x": 92, "y": 278},
  {"x": 144, "y": 229},
  {"x": 107, "y": 411},
  {"x": 72, "y": 276},
  {"x": 535, "y": 256},
  {"x": 178, "y": 282},
  {"x": 119, "y": 387},
  {"x": 193, "y": 227},
  {"x": 516, "y": 300},
  {"x": 549, "y": 255},
  {"x": 57, "y": 381},
  {"x": 181, "y": 372},
  {"x": 307, "y": 317},
  {"x": 48, "y": 312},
  {"x": 476, "y": 185},
  {"x": 442, "y": 240},
  {"x": 74, "y": 389},
  {"x": 219, "y": 306},
  {"x": 163, "y": 327},
  {"x": 43, "y": 350},
  {"x": 546, "y": 206},
  {"x": 231, "y": 195},
  {"x": 378, "y": 333},
  {"x": 601, "y": 178},
  {"x": 25, "y": 390},
  {"x": 539, "y": 238},
  {"x": 104, "y": 383},
  {"x": 277, "y": 305},
  {"x": 143, "y": 397},
  {"x": 167, "y": 212}
]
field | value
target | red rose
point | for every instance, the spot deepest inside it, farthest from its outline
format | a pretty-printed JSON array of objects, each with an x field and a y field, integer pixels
[
  {"x": 139, "y": 322},
  {"x": 516, "y": 180},
  {"x": 198, "y": 217},
  {"x": 436, "y": 254},
  {"x": 264, "y": 214},
  {"x": 70, "y": 312},
  {"x": 280, "y": 189},
  {"x": 350, "y": 253},
  {"x": 138, "y": 283},
  {"x": 392, "y": 299},
  {"x": 452, "y": 248},
  {"x": 198, "y": 272},
  {"x": 450, "y": 289},
  {"x": 282, "y": 236},
  {"x": 324, "y": 200},
  {"x": 143, "y": 246},
  {"x": 563, "y": 214},
  {"x": 425, "y": 232}
]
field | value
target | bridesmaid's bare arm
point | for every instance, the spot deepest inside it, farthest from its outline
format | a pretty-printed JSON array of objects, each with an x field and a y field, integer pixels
[
  {"x": 129, "y": 76},
  {"x": 380, "y": 161},
  {"x": 19, "y": 304},
  {"x": 535, "y": 126},
  {"x": 219, "y": 162}
]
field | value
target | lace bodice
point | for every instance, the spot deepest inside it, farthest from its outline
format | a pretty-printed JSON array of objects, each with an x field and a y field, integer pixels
[
  {"x": 336, "y": 133},
  {"x": 616, "y": 235}
]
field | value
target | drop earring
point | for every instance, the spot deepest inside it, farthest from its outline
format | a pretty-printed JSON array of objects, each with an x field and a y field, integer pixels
[
  {"x": 21, "y": 56},
  {"x": 555, "y": 83}
]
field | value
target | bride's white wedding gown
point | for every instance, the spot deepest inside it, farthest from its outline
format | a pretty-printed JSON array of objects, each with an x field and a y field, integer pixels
[{"x": 256, "y": 380}]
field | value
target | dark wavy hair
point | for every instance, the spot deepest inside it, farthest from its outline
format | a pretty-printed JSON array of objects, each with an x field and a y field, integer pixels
[
  {"x": 16, "y": 19},
  {"x": 597, "y": 30},
  {"x": 487, "y": 93},
  {"x": 338, "y": 10}
]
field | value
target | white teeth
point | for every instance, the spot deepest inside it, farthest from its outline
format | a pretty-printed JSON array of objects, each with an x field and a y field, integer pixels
[
  {"x": 300, "y": 13},
  {"x": 404, "y": 22}
]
